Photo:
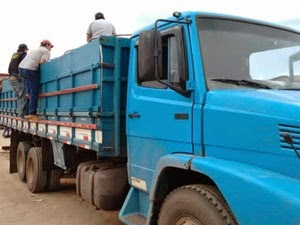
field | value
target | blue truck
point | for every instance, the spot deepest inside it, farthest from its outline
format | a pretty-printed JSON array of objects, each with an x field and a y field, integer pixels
[{"x": 202, "y": 108}]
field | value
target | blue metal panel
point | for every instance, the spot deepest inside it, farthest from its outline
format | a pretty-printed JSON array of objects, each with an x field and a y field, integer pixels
[
  {"x": 8, "y": 93},
  {"x": 157, "y": 131},
  {"x": 245, "y": 126},
  {"x": 84, "y": 86},
  {"x": 65, "y": 101}
]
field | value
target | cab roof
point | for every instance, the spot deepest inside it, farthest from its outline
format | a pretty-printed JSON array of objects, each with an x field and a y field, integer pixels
[{"x": 194, "y": 14}]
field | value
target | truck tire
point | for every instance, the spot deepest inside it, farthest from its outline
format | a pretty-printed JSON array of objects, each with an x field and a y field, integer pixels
[
  {"x": 36, "y": 177},
  {"x": 22, "y": 152},
  {"x": 197, "y": 205},
  {"x": 53, "y": 180}
]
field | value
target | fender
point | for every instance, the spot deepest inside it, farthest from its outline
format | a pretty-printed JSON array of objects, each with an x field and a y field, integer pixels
[{"x": 267, "y": 194}]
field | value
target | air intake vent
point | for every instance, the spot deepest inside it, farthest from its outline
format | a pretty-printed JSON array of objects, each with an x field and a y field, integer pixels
[{"x": 294, "y": 132}]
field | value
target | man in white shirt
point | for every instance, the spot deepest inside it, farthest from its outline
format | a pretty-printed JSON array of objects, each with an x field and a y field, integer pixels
[
  {"x": 29, "y": 69},
  {"x": 99, "y": 27}
]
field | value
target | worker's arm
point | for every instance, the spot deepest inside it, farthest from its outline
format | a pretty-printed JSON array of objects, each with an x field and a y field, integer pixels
[
  {"x": 45, "y": 57},
  {"x": 88, "y": 37},
  {"x": 42, "y": 61}
]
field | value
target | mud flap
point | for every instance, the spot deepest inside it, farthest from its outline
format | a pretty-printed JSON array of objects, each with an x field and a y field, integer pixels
[
  {"x": 58, "y": 154},
  {"x": 14, "y": 141}
]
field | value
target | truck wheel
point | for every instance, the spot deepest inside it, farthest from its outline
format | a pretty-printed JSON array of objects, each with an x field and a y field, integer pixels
[
  {"x": 53, "y": 179},
  {"x": 22, "y": 152},
  {"x": 36, "y": 177},
  {"x": 197, "y": 205}
]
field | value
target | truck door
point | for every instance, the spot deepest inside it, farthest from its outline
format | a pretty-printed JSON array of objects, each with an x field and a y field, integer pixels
[{"x": 159, "y": 119}]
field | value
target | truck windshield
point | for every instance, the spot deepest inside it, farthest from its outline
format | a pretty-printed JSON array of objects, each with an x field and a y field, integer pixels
[{"x": 240, "y": 55}]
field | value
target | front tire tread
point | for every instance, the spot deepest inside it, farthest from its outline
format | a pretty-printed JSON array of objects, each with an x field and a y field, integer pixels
[{"x": 213, "y": 202}]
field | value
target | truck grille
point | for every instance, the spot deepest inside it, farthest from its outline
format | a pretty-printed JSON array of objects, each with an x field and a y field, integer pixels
[{"x": 294, "y": 132}]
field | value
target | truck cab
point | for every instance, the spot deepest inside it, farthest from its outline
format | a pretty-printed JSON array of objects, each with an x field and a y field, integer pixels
[{"x": 213, "y": 125}]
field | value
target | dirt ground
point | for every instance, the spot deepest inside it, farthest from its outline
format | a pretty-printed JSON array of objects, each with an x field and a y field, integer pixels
[{"x": 18, "y": 206}]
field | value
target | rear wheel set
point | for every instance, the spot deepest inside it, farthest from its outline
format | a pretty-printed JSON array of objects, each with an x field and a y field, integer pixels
[
  {"x": 37, "y": 179},
  {"x": 53, "y": 180}
]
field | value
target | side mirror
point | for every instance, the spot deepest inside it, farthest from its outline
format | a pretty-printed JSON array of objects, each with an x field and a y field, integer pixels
[{"x": 149, "y": 51}]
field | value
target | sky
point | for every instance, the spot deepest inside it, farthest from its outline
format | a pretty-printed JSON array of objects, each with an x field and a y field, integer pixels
[{"x": 65, "y": 22}]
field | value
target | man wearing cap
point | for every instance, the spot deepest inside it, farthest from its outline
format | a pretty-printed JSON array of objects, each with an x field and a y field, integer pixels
[
  {"x": 99, "y": 27},
  {"x": 16, "y": 81},
  {"x": 29, "y": 69}
]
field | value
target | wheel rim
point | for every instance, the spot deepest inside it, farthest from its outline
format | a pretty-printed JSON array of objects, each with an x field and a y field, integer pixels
[
  {"x": 30, "y": 169},
  {"x": 187, "y": 220},
  {"x": 20, "y": 162}
]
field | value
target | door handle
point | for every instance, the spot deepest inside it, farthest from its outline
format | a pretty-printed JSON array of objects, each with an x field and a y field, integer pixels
[
  {"x": 181, "y": 116},
  {"x": 133, "y": 115}
]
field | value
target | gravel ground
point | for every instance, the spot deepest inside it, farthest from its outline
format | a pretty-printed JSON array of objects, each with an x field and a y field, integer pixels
[{"x": 18, "y": 206}]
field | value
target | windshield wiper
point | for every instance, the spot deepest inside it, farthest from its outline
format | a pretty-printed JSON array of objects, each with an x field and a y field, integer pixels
[{"x": 242, "y": 82}]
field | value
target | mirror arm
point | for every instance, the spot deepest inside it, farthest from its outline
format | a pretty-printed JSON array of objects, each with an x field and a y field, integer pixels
[{"x": 156, "y": 55}]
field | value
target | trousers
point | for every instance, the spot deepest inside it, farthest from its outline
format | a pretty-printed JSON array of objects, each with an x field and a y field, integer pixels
[
  {"x": 32, "y": 83},
  {"x": 18, "y": 84}
]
